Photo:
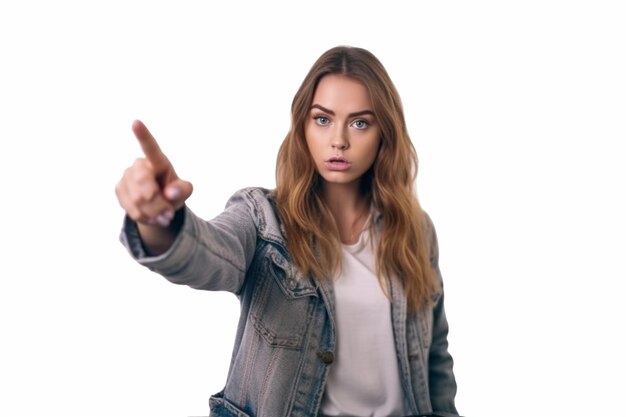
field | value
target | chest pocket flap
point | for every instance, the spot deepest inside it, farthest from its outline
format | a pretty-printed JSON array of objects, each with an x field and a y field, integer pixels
[{"x": 283, "y": 301}]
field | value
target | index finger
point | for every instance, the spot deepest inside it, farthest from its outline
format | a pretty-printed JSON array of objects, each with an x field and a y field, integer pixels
[{"x": 149, "y": 145}]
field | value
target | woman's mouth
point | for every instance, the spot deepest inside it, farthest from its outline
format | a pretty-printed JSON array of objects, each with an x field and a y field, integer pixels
[{"x": 337, "y": 163}]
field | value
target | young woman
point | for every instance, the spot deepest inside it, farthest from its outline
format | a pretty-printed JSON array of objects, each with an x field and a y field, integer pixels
[{"x": 336, "y": 269}]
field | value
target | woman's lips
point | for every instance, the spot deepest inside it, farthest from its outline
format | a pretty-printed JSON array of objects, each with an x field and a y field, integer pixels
[{"x": 337, "y": 164}]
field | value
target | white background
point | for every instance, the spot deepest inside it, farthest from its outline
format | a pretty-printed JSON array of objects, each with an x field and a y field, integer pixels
[{"x": 517, "y": 111}]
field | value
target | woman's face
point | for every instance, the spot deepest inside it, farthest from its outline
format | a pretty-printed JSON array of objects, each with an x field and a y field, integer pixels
[{"x": 341, "y": 131}]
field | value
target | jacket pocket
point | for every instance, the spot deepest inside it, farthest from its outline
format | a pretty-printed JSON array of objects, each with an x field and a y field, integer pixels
[{"x": 282, "y": 302}]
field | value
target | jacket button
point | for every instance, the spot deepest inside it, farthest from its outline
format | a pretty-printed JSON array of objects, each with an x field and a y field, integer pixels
[{"x": 326, "y": 357}]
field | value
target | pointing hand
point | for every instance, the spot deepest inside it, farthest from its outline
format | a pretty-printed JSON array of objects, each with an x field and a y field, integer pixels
[{"x": 150, "y": 191}]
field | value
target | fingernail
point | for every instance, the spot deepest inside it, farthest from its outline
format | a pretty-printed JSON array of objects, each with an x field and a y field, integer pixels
[
  {"x": 168, "y": 214},
  {"x": 173, "y": 193}
]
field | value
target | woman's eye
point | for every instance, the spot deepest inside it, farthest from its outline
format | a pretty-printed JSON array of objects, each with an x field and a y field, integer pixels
[
  {"x": 360, "y": 124},
  {"x": 321, "y": 120}
]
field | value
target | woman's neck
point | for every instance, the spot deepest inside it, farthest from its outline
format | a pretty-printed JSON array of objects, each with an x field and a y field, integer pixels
[{"x": 350, "y": 209}]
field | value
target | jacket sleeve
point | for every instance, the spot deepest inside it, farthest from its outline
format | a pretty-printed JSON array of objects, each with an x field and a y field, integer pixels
[
  {"x": 209, "y": 255},
  {"x": 442, "y": 382}
]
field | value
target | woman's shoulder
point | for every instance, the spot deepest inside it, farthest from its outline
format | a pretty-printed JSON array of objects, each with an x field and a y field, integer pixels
[
  {"x": 261, "y": 204},
  {"x": 430, "y": 236},
  {"x": 428, "y": 225}
]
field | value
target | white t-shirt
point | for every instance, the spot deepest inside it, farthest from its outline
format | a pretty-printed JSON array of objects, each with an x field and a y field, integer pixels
[{"x": 364, "y": 380}]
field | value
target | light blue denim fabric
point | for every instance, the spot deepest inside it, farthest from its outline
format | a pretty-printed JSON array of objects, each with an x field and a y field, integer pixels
[{"x": 285, "y": 340}]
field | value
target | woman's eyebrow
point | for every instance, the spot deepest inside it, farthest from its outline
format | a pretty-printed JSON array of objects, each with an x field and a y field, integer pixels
[{"x": 358, "y": 113}]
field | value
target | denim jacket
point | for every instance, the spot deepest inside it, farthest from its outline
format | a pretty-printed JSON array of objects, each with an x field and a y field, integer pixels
[{"x": 285, "y": 341}]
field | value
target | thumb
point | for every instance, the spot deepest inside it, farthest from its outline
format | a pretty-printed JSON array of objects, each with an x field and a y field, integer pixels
[{"x": 178, "y": 191}]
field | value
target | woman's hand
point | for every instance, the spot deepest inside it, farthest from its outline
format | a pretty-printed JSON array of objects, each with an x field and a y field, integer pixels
[{"x": 150, "y": 192}]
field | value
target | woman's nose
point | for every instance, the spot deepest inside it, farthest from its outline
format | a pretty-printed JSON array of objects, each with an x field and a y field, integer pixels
[{"x": 340, "y": 140}]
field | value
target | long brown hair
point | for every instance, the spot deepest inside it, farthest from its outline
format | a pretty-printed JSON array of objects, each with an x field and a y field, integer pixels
[{"x": 312, "y": 234}]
